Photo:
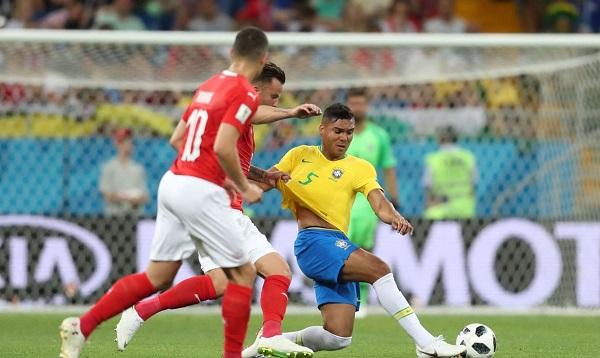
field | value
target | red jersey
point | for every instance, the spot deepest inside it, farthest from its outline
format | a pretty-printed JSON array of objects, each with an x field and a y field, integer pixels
[{"x": 224, "y": 98}]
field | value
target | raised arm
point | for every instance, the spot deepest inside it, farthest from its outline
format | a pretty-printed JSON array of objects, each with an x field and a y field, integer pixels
[
  {"x": 268, "y": 114},
  {"x": 386, "y": 212}
]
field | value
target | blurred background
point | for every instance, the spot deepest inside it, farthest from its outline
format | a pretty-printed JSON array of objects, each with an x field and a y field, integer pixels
[{"x": 525, "y": 114}]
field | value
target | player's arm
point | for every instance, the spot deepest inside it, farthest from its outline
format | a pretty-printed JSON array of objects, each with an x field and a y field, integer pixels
[
  {"x": 267, "y": 179},
  {"x": 176, "y": 139},
  {"x": 226, "y": 150},
  {"x": 269, "y": 114},
  {"x": 386, "y": 212},
  {"x": 391, "y": 184}
]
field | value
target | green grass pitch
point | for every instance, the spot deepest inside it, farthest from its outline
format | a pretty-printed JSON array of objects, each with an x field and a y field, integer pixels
[{"x": 193, "y": 335}]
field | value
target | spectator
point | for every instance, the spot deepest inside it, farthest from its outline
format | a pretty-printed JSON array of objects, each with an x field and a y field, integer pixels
[
  {"x": 449, "y": 179},
  {"x": 209, "y": 17},
  {"x": 590, "y": 16},
  {"x": 307, "y": 21},
  {"x": 329, "y": 10},
  {"x": 118, "y": 16},
  {"x": 73, "y": 16},
  {"x": 159, "y": 14},
  {"x": 398, "y": 18},
  {"x": 354, "y": 18},
  {"x": 123, "y": 181},
  {"x": 282, "y": 134},
  {"x": 446, "y": 22},
  {"x": 561, "y": 17},
  {"x": 21, "y": 15},
  {"x": 257, "y": 13}
]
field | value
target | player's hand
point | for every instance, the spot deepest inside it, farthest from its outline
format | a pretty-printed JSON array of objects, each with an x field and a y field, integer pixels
[
  {"x": 231, "y": 189},
  {"x": 306, "y": 110},
  {"x": 401, "y": 225},
  {"x": 274, "y": 175},
  {"x": 252, "y": 194}
]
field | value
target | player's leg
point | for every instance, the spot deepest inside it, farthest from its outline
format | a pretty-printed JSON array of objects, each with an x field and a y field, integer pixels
[
  {"x": 188, "y": 292},
  {"x": 366, "y": 267},
  {"x": 336, "y": 332},
  {"x": 129, "y": 289},
  {"x": 236, "y": 307},
  {"x": 321, "y": 255},
  {"x": 125, "y": 292},
  {"x": 216, "y": 233},
  {"x": 273, "y": 301},
  {"x": 274, "y": 270},
  {"x": 363, "y": 223}
]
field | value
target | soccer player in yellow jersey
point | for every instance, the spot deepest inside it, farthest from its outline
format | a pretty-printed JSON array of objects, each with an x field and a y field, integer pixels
[{"x": 324, "y": 181}]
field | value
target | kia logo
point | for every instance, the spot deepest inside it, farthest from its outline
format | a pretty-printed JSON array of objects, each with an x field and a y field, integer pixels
[{"x": 56, "y": 252}]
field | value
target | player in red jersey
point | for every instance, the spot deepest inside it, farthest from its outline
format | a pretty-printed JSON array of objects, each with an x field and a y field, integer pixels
[
  {"x": 193, "y": 202},
  {"x": 269, "y": 264}
]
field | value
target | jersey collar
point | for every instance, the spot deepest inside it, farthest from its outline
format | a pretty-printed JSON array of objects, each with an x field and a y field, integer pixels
[{"x": 229, "y": 73}]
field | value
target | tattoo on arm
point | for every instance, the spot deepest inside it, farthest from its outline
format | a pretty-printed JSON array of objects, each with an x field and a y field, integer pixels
[{"x": 258, "y": 175}]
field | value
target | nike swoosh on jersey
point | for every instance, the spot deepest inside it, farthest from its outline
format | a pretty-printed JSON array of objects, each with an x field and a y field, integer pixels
[{"x": 306, "y": 161}]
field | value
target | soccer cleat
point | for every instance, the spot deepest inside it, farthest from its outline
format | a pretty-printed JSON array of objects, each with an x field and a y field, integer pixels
[
  {"x": 129, "y": 323},
  {"x": 252, "y": 350},
  {"x": 439, "y": 348},
  {"x": 71, "y": 337},
  {"x": 281, "y": 347}
]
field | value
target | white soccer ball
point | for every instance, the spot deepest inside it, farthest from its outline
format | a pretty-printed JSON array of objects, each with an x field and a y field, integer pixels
[{"x": 479, "y": 339}]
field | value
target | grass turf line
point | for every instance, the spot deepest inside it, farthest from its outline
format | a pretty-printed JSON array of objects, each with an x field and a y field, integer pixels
[{"x": 167, "y": 335}]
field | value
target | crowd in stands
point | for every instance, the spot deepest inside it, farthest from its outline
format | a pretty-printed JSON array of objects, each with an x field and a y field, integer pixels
[
  {"x": 433, "y": 16},
  {"x": 475, "y": 108}
]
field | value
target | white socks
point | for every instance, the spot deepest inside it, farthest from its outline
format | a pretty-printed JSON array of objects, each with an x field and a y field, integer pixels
[
  {"x": 397, "y": 306},
  {"x": 318, "y": 339}
]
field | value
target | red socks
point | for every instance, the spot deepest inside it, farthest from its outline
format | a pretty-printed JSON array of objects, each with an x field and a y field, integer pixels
[
  {"x": 236, "y": 313},
  {"x": 273, "y": 302},
  {"x": 186, "y": 293},
  {"x": 124, "y": 293}
]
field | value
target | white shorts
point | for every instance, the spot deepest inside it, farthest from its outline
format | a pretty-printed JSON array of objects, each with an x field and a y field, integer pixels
[
  {"x": 255, "y": 243},
  {"x": 195, "y": 214}
]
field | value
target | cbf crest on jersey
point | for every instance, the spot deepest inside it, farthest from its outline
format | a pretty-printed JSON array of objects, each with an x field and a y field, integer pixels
[
  {"x": 342, "y": 244},
  {"x": 337, "y": 173}
]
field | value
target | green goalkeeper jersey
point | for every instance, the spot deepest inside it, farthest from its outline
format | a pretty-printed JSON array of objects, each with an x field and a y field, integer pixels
[{"x": 373, "y": 144}]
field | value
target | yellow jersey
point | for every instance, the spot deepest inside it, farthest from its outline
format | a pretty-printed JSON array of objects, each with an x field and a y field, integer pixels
[{"x": 325, "y": 187}]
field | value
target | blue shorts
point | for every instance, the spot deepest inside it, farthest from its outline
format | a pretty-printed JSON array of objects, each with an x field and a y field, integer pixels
[{"x": 321, "y": 255}]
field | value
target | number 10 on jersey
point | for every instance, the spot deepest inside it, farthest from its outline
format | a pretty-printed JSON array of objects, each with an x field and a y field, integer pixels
[{"x": 196, "y": 125}]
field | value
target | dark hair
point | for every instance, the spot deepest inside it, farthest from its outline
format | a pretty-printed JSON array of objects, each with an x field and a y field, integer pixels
[
  {"x": 250, "y": 42},
  {"x": 337, "y": 111},
  {"x": 269, "y": 72},
  {"x": 447, "y": 134},
  {"x": 357, "y": 92}
]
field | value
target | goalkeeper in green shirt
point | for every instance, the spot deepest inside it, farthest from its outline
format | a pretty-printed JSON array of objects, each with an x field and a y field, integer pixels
[{"x": 371, "y": 143}]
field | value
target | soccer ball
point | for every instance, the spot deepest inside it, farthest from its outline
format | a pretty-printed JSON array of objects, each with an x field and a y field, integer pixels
[{"x": 479, "y": 339}]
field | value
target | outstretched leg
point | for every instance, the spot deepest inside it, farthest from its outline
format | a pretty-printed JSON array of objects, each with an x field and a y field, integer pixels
[
  {"x": 123, "y": 293},
  {"x": 335, "y": 334},
  {"x": 365, "y": 267}
]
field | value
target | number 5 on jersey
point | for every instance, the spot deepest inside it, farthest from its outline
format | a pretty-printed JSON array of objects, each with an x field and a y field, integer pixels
[{"x": 196, "y": 124}]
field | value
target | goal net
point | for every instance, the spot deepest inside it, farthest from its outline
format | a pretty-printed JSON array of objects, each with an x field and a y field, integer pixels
[{"x": 528, "y": 107}]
